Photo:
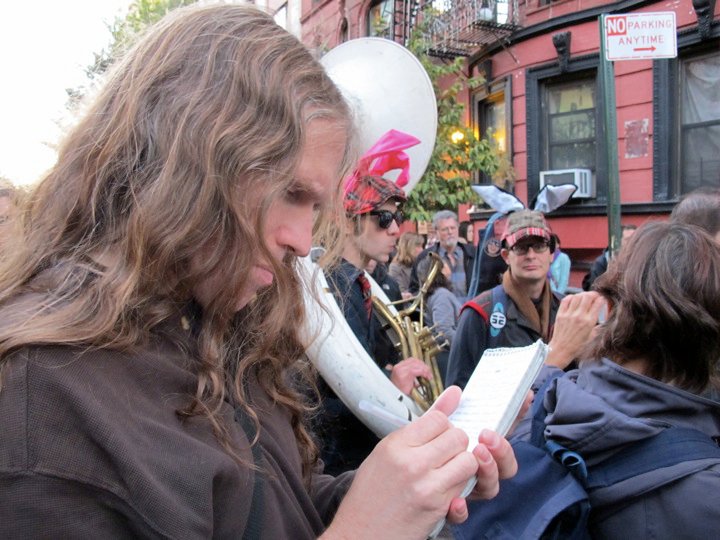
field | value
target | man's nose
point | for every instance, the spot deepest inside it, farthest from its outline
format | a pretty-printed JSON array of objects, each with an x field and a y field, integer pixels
[{"x": 296, "y": 235}]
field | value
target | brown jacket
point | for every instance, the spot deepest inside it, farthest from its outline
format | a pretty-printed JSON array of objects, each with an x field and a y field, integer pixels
[{"x": 91, "y": 447}]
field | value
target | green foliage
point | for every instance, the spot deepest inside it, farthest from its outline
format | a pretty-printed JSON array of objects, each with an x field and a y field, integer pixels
[
  {"x": 141, "y": 14},
  {"x": 453, "y": 165},
  {"x": 124, "y": 30}
]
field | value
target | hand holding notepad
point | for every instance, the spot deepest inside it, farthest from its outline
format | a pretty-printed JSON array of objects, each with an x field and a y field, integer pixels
[{"x": 494, "y": 395}]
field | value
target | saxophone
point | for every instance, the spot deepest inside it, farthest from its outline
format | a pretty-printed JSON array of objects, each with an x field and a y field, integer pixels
[{"x": 412, "y": 338}]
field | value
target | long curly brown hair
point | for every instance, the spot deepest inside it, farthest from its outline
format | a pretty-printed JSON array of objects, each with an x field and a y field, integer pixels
[{"x": 206, "y": 113}]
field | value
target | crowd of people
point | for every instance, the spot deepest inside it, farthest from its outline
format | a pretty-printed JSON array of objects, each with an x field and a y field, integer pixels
[{"x": 153, "y": 379}]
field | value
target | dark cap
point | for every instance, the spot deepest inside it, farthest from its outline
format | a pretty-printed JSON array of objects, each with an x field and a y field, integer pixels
[
  {"x": 369, "y": 193},
  {"x": 524, "y": 223}
]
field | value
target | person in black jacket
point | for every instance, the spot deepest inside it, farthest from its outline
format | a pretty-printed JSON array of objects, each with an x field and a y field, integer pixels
[
  {"x": 599, "y": 265},
  {"x": 374, "y": 215}
]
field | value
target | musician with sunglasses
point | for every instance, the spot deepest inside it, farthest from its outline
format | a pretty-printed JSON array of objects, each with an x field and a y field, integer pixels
[
  {"x": 373, "y": 206},
  {"x": 523, "y": 308}
]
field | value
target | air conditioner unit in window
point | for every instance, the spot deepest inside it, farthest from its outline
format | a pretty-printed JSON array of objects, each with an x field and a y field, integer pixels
[{"x": 582, "y": 178}]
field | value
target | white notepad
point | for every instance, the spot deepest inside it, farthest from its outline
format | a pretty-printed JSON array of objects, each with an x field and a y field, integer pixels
[
  {"x": 494, "y": 395},
  {"x": 497, "y": 388}
]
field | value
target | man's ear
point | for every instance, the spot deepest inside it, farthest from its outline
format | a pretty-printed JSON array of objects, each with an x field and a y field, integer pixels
[
  {"x": 355, "y": 226},
  {"x": 505, "y": 254}
]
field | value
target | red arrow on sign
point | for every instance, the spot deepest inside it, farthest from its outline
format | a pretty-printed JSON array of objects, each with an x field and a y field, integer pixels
[{"x": 644, "y": 48}]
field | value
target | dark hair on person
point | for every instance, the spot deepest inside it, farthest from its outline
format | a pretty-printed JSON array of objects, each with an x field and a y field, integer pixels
[
  {"x": 700, "y": 207},
  {"x": 197, "y": 131},
  {"x": 463, "y": 229},
  {"x": 664, "y": 294},
  {"x": 423, "y": 271}
]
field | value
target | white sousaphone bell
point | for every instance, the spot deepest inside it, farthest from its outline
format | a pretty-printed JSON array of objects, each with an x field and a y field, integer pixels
[{"x": 387, "y": 88}]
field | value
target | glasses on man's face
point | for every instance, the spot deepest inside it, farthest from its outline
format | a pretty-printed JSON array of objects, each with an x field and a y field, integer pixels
[
  {"x": 537, "y": 247},
  {"x": 386, "y": 217}
]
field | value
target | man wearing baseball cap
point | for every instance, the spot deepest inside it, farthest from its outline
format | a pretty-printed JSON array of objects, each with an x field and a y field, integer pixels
[
  {"x": 373, "y": 206},
  {"x": 523, "y": 308}
]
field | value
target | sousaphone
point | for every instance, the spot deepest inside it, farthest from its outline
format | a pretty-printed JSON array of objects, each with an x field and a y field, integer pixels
[{"x": 387, "y": 88}]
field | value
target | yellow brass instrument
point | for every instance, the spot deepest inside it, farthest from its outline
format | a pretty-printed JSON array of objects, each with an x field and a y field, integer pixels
[{"x": 413, "y": 339}]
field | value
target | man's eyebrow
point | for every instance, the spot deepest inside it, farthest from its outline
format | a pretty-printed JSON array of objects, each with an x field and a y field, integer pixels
[{"x": 308, "y": 190}]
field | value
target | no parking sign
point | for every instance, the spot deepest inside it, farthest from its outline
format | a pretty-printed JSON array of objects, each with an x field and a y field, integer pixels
[{"x": 638, "y": 36}]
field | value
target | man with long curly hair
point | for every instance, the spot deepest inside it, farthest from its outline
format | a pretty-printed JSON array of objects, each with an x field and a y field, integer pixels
[{"x": 149, "y": 320}]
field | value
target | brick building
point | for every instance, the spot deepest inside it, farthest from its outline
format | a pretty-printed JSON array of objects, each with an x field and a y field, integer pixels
[{"x": 543, "y": 103}]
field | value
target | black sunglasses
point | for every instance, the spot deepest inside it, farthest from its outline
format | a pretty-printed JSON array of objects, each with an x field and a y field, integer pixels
[
  {"x": 537, "y": 247},
  {"x": 386, "y": 217}
]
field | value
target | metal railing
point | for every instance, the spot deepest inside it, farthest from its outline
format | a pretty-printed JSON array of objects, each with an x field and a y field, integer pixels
[{"x": 463, "y": 27}]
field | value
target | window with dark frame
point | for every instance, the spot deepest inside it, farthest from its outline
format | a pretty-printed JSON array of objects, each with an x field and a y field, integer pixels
[
  {"x": 564, "y": 128},
  {"x": 569, "y": 128},
  {"x": 493, "y": 122},
  {"x": 699, "y": 122},
  {"x": 686, "y": 117}
]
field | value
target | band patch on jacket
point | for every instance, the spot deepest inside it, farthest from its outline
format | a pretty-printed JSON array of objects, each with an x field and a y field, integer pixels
[
  {"x": 497, "y": 320},
  {"x": 493, "y": 247}
]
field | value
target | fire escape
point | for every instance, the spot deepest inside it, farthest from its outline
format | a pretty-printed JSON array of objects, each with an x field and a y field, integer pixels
[{"x": 457, "y": 27}]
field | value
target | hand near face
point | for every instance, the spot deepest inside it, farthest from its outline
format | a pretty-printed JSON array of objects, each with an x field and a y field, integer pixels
[
  {"x": 414, "y": 476},
  {"x": 576, "y": 318}
]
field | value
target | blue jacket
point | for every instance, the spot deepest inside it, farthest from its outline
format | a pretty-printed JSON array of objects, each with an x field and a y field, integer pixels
[{"x": 602, "y": 408}]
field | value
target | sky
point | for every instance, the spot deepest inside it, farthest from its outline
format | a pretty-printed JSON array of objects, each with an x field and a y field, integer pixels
[{"x": 44, "y": 47}]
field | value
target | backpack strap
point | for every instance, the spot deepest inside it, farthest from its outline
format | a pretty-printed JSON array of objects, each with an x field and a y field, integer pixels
[
  {"x": 543, "y": 500},
  {"x": 480, "y": 304},
  {"x": 486, "y": 302},
  {"x": 670, "y": 447},
  {"x": 472, "y": 304},
  {"x": 253, "y": 527}
]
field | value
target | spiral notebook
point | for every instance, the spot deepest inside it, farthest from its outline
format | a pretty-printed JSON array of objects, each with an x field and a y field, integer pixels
[
  {"x": 494, "y": 395},
  {"x": 495, "y": 392}
]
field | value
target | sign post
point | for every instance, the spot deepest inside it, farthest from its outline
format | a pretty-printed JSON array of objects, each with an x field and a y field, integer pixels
[{"x": 631, "y": 36}]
